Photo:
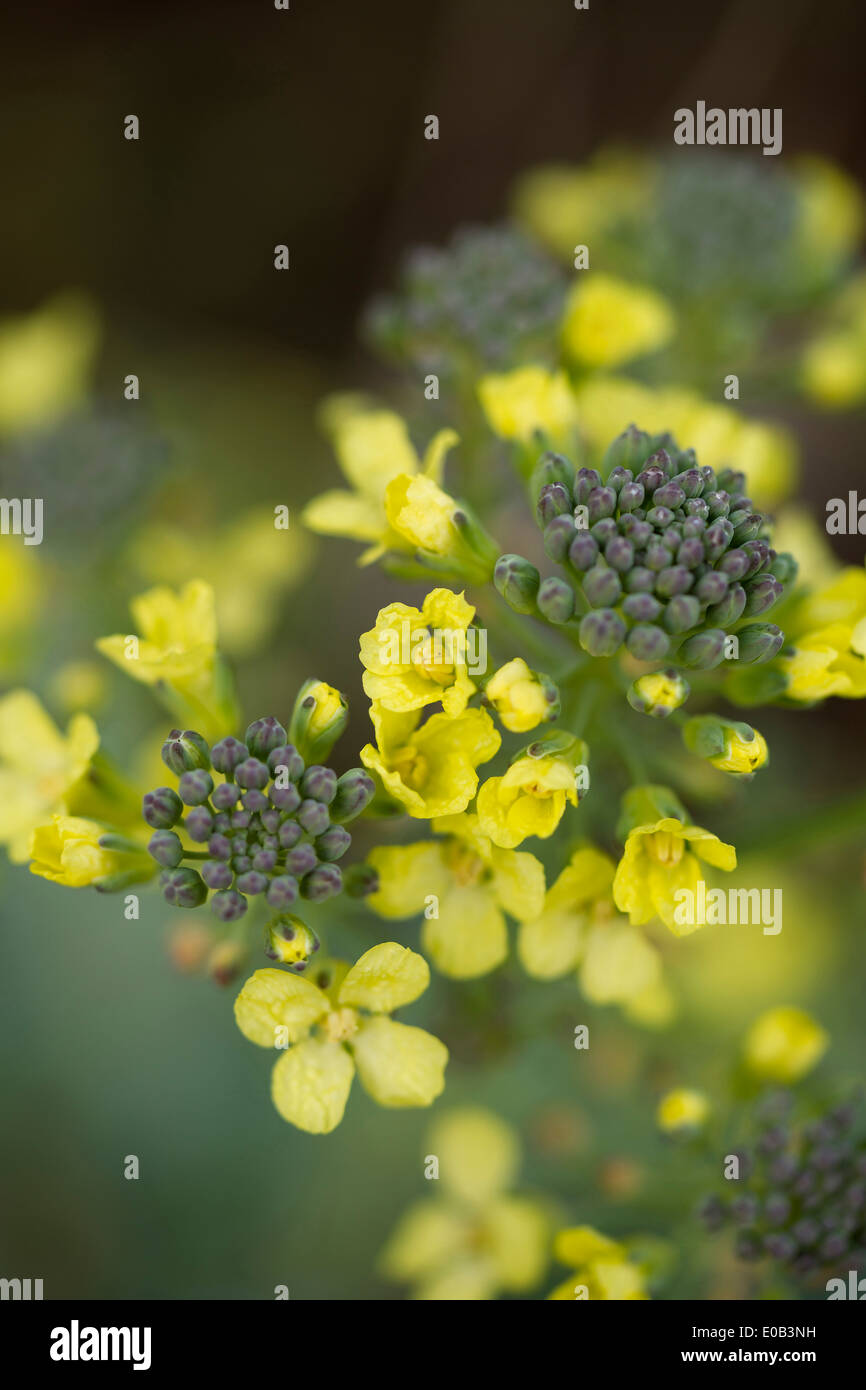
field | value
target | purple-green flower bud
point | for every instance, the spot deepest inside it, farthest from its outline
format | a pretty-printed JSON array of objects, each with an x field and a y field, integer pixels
[
  {"x": 748, "y": 528},
  {"x": 674, "y": 579},
  {"x": 604, "y": 530},
  {"x": 313, "y": 817},
  {"x": 762, "y": 594},
  {"x": 355, "y": 790},
  {"x": 558, "y": 536},
  {"x": 584, "y": 551},
  {"x": 712, "y": 586},
  {"x": 228, "y": 906},
  {"x": 584, "y": 481},
  {"x": 554, "y": 500},
  {"x": 319, "y": 783},
  {"x": 628, "y": 451},
  {"x": 697, "y": 512},
  {"x": 216, "y": 874},
  {"x": 602, "y": 632},
  {"x": 225, "y": 796},
  {"x": 690, "y": 553},
  {"x": 270, "y": 821},
  {"x": 642, "y": 608},
  {"x": 251, "y": 883},
  {"x": 631, "y": 496},
  {"x": 601, "y": 503},
  {"x": 682, "y": 613},
  {"x": 551, "y": 468},
  {"x": 289, "y": 758},
  {"x": 220, "y": 847},
  {"x": 647, "y": 643},
  {"x": 618, "y": 477},
  {"x": 183, "y": 751},
  {"x": 704, "y": 650},
  {"x": 719, "y": 504},
  {"x": 324, "y": 882},
  {"x": 360, "y": 880},
  {"x": 784, "y": 568},
  {"x": 289, "y": 834},
  {"x": 182, "y": 887},
  {"x": 735, "y": 564},
  {"x": 301, "y": 860},
  {"x": 728, "y": 609},
  {"x": 517, "y": 581},
  {"x": 602, "y": 586},
  {"x": 759, "y": 642},
  {"x": 162, "y": 808},
  {"x": 286, "y": 798},
  {"x": 319, "y": 717},
  {"x": 165, "y": 847},
  {"x": 199, "y": 824},
  {"x": 657, "y": 556},
  {"x": 255, "y": 801},
  {"x": 691, "y": 482},
  {"x": 227, "y": 754},
  {"x": 651, "y": 478},
  {"x": 264, "y": 861},
  {"x": 669, "y": 495},
  {"x": 264, "y": 735},
  {"x": 640, "y": 580},
  {"x": 717, "y": 538},
  {"x": 640, "y": 533},
  {"x": 333, "y": 844},
  {"x": 660, "y": 517},
  {"x": 619, "y": 553},
  {"x": 241, "y": 819},
  {"x": 282, "y": 891},
  {"x": 556, "y": 600},
  {"x": 252, "y": 773}
]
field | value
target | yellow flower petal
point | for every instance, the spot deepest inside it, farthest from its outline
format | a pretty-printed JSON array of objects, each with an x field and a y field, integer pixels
[
  {"x": 478, "y": 1153},
  {"x": 273, "y": 999},
  {"x": 552, "y": 945},
  {"x": 517, "y": 1234},
  {"x": 518, "y": 882},
  {"x": 469, "y": 937},
  {"x": 385, "y": 978},
  {"x": 310, "y": 1085},
  {"x": 399, "y": 1065},
  {"x": 618, "y": 963},
  {"x": 578, "y": 1245},
  {"x": 429, "y": 1236},
  {"x": 408, "y": 875}
]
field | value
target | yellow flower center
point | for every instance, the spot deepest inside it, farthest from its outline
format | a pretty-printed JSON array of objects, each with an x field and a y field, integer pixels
[
  {"x": 340, "y": 1024},
  {"x": 411, "y": 766},
  {"x": 467, "y": 867},
  {"x": 433, "y": 658},
  {"x": 665, "y": 848}
]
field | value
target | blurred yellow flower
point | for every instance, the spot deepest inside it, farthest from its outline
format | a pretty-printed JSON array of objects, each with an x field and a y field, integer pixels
[
  {"x": 784, "y": 1044},
  {"x": 42, "y": 771},
  {"x": 21, "y": 593},
  {"x": 522, "y": 698},
  {"x": 602, "y": 1268},
  {"x": 373, "y": 448},
  {"x": 834, "y": 369},
  {"x": 682, "y": 1109},
  {"x": 416, "y": 657},
  {"x": 177, "y": 654},
  {"x": 832, "y": 212},
  {"x": 67, "y": 851},
  {"x": 720, "y": 436},
  {"x": 519, "y": 403},
  {"x": 465, "y": 885},
  {"x": 443, "y": 533},
  {"x": 45, "y": 361},
  {"x": 609, "y": 321},
  {"x": 79, "y": 685},
  {"x": 332, "y": 1032},
  {"x": 826, "y": 641},
  {"x": 430, "y": 768},
  {"x": 476, "y": 1239},
  {"x": 566, "y": 205},
  {"x": 578, "y": 927},
  {"x": 250, "y": 564}
]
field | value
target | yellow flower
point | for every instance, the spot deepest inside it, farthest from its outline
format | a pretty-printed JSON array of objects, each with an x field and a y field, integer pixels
[
  {"x": 430, "y": 768},
  {"x": 67, "y": 851},
  {"x": 682, "y": 1110},
  {"x": 519, "y": 403},
  {"x": 373, "y": 448},
  {"x": 531, "y": 797},
  {"x": 177, "y": 654},
  {"x": 608, "y": 321},
  {"x": 42, "y": 771},
  {"x": 45, "y": 360},
  {"x": 834, "y": 368},
  {"x": 465, "y": 886},
  {"x": 474, "y": 1238},
  {"x": 602, "y": 1268},
  {"x": 442, "y": 532},
  {"x": 826, "y": 632},
  {"x": 79, "y": 685},
  {"x": 784, "y": 1044},
  {"x": 566, "y": 206},
  {"x": 21, "y": 593},
  {"x": 331, "y": 1033},
  {"x": 414, "y": 657},
  {"x": 577, "y": 927},
  {"x": 522, "y": 698},
  {"x": 250, "y": 565},
  {"x": 832, "y": 210},
  {"x": 659, "y": 862},
  {"x": 720, "y": 437},
  {"x": 727, "y": 744}
]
